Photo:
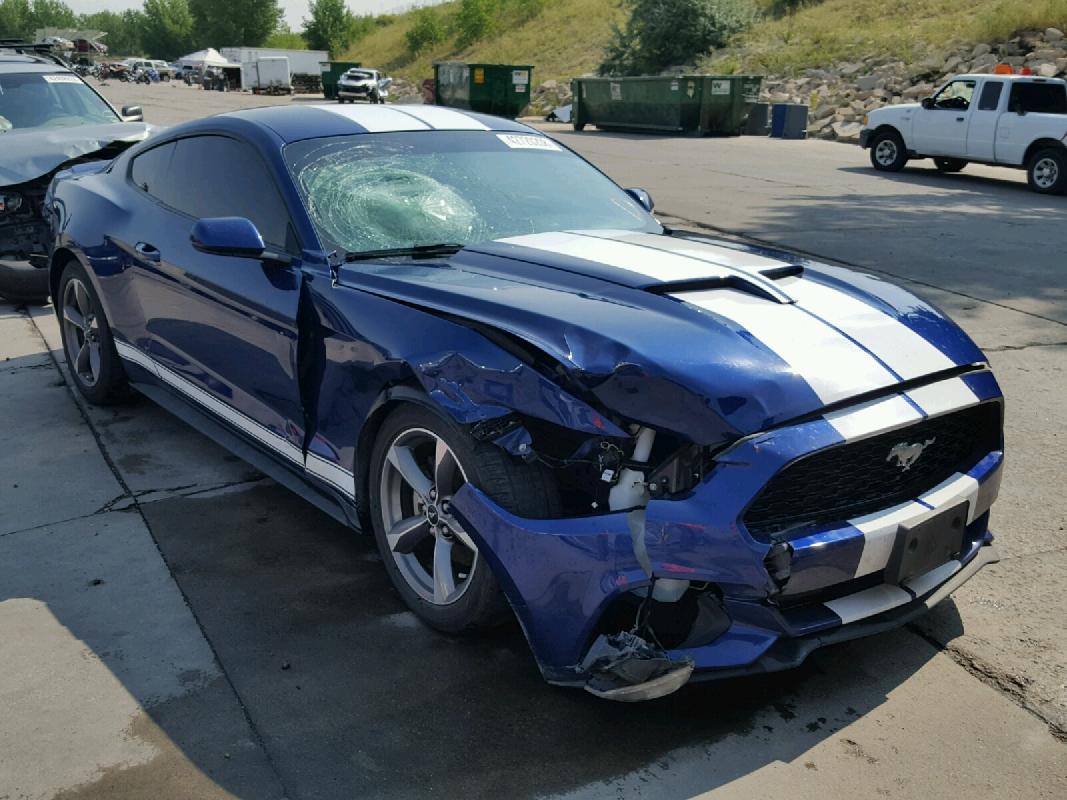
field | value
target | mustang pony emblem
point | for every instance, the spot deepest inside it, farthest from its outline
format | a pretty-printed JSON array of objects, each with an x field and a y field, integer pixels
[{"x": 907, "y": 454}]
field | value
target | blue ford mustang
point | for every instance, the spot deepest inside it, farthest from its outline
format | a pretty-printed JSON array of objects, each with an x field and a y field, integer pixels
[{"x": 670, "y": 457}]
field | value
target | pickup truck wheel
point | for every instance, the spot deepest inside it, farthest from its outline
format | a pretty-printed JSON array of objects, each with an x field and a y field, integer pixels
[
  {"x": 1047, "y": 171},
  {"x": 949, "y": 164},
  {"x": 888, "y": 153}
]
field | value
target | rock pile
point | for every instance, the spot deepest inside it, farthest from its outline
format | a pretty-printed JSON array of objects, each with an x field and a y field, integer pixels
[
  {"x": 547, "y": 96},
  {"x": 839, "y": 95}
]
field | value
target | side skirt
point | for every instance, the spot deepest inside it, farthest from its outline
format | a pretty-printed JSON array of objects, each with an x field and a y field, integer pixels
[{"x": 342, "y": 511}]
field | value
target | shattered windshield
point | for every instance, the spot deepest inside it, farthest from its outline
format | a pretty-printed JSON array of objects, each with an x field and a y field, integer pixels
[
  {"x": 396, "y": 190},
  {"x": 50, "y": 100}
]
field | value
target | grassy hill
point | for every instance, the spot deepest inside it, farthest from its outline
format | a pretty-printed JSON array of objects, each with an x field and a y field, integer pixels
[{"x": 567, "y": 37}]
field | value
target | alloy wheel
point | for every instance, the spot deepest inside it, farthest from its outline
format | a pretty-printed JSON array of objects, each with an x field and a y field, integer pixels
[
  {"x": 434, "y": 554},
  {"x": 886, "y": 152},
  {"x": 1046, "y": 173},
  {"x": 81, "y": 332}
]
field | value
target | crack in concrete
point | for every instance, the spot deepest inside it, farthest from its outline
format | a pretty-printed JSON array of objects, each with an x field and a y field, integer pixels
[
  {"x": 1008, "y": 347},
  {"x": 742, "y": 236}
]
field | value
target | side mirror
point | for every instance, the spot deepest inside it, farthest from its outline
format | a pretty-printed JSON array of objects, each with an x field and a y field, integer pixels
[
  {"x": 233, "y": 236},
  {"x": 132, "y": 114},
  {"x": 928, "y": 103},
  {"x": 643, "y": 198}
]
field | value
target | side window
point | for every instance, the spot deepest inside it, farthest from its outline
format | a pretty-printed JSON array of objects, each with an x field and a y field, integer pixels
[
  {"x": 215, "y": 176},
  {"x": 1038, "y": 98},
  {"x": 956, "y": 95},
  {"x": 149, "y": 171},
  {"x": 990, "y": 95}
]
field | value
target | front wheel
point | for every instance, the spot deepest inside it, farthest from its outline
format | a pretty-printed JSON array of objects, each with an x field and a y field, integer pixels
[
  {"x": 419, "y": 461},
  {"x": 888, "y": 153},
  {"x": 949, "y": 164},
  {"x": 1046, "y": 172}
]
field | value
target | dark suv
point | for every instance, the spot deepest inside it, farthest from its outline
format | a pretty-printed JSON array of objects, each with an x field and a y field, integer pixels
[{"x": 50, "y": 119}]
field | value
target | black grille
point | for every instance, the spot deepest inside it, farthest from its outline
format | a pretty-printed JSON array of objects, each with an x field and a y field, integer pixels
[{"x": 857, "y": 478}]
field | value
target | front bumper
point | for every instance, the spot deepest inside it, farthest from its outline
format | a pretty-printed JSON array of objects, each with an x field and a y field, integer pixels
[
  {"x": 563, "y": 577},
  {"x": 865, "y": 138}
]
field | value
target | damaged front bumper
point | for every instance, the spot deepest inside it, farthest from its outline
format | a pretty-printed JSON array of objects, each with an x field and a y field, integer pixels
[{"x": 760, "y": 606}]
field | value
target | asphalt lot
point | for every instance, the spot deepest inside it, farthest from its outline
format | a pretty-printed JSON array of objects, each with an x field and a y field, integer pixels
[{"x": 172, "y": 625}]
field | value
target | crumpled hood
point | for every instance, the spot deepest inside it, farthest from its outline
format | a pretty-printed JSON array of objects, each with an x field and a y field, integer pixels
[
  {"x": 708, "y": 339},
  {"x": 31, "y": 153}
]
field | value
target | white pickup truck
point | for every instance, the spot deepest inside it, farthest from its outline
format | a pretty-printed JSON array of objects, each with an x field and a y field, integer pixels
[{"x": 1009, "y": 120}]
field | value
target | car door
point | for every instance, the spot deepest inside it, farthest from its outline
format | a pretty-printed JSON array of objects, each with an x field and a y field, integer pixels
[
  {"x": 982, "y": 128},
  {"x": 222, "y": 331},
  {"x": 941, "y": 129}
]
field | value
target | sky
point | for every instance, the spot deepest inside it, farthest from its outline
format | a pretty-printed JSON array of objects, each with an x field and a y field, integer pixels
[{"x": 295, "y": 10}]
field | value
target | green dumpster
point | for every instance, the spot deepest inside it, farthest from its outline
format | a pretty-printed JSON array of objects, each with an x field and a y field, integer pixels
[
  {"x": 499, "y": 89},
  {"x": 693, "y": 104},
  {"x": 727, "y": 101},
  {"x": 331, "y": 74}
]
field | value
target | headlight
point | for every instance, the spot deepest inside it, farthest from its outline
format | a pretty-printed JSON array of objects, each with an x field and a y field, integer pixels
[{"x": 10, "y": 202}]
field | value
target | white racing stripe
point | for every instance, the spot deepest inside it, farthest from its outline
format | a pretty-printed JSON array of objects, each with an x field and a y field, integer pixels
[
  {"x": 376, "y": 119},
  {"x": 868, "y": 602},
  {"x": 334, "y": 474},
  {"x": 442, "y": 118},
  {"x": 704, "y": 251},
  {"x": 954, "y": 490},
  {"x": 880, "y": 534},
  {"x": 949, "y": 395},
  {"x": 872, "y": 417},
  {"x": 657, "y": 265},
  {"x": 904, "y": 351},
  {"x": 833, "y": 366}
]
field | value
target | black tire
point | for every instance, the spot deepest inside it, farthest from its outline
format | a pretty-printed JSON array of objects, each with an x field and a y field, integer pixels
[
  {"x": 110, "y": 385},
  {"x": 1046, "y": 171},
  {"x": 948, "y": 165},
  {"x": 888, "y": 153},
  {"x": 579, "y": 126},
  {"x": 23, "y": 284},
  {"x": 523, "y": 489}
]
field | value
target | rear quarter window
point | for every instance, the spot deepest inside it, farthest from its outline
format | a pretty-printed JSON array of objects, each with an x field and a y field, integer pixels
[{"x": 1039, "y": 98}]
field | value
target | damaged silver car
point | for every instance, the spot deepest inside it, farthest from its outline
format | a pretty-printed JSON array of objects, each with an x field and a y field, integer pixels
[{"x": 50, "y": 120}]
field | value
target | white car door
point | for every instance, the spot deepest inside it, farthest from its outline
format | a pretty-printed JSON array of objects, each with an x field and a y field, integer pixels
[
  {"x": 940, "y": 127},
  {"x": 982, "y": 128}
]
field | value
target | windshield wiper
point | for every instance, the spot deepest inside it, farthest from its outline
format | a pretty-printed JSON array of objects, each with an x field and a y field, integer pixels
[{"x": 439, "y": 249}]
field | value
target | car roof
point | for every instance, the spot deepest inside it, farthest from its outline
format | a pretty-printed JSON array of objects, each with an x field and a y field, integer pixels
[
  {"x": 1019, "y": 78},
  {"x": 295, "y": 122},
  {"x": 11, "y": 61}
]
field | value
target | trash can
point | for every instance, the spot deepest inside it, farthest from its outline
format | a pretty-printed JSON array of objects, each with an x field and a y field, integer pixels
[
  {"x": 727, "y": 102},
  {"x": 663, "y": 103},
  {"x": 789, "y": 120},
  {"x": 499, "y": 89},
  {"x": 701, "y": 105},
  {"x": 331, "y": 75}
]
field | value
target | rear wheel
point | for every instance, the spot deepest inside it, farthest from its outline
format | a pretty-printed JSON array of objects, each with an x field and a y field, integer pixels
[
  {"x": 949, "y": 164},
  {"x": 888, "y": 153},
  {"x": 419, "y": 461},
  {"x": 87, "y": 341},
  {"x": 1046, "y": 172}
]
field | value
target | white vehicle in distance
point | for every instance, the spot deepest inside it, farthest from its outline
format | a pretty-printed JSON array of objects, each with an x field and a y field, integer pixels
[
  {"x": 363, "y": 84},
  {"x": 1002, "y": 119}
]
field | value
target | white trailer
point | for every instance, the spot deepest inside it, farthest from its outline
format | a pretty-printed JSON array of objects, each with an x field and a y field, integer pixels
[
  {"x": 267, "y": 76},
  {"x": 301, "y": 62}
]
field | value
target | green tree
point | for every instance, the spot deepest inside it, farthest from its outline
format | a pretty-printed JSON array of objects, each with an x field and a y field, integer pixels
[
  {"x": 330, "y": 26},
  {"x": 168, "y": 28},
  {"x": 666, "y": 33},
  {"x": 286, "y": 39},
  {"x": 473, "y": 21},
  {"x": 234, "y": 23},
  {"x": 14, "y": 19},
  {"x": 425, "y": 31},
  {"x": 49, "y": 14}
]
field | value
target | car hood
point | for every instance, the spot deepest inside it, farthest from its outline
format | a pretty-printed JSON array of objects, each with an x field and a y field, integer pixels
[
  {"x": 31, "y": 153},
  {"x": 709, "y": 339}
]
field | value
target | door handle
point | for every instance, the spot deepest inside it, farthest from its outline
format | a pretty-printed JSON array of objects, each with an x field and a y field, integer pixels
[
  {"x": 147, "y": 251},
  {"x": 960, "y": 119}
]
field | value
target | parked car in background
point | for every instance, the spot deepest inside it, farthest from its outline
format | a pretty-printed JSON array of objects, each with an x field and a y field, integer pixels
[
  {"x": 671, "y": 457},
  {"x": 50, "y": 119},
  {"x": 363, "y": 84},
  {"x": 1003, "y": 119}
]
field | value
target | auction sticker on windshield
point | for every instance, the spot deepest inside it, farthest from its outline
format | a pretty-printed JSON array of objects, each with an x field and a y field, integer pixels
[
  {"x": 61, "y": 79},
  {"x": 520, "y": 141}
]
